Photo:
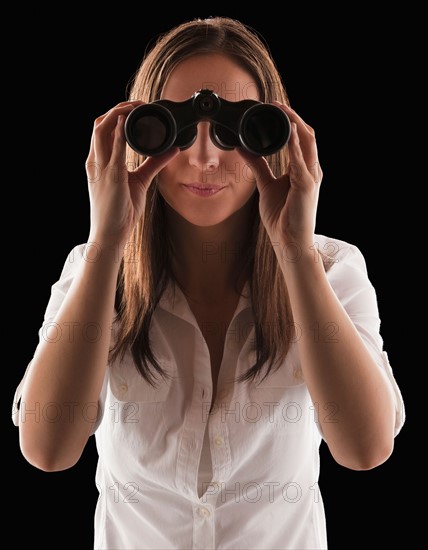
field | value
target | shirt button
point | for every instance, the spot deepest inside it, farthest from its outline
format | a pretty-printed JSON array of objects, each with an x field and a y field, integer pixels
[
  {"x": 204, "y": 512},
  {"x": 297, "y": 374},
  {"x": 218, "y": 440},
  {"x": 123, "y": 388}
]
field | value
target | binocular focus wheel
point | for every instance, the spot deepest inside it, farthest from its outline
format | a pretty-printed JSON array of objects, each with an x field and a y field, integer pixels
[{"x": 150, "y": 129}]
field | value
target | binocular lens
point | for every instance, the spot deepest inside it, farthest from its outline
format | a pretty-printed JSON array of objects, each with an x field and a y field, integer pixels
[
  {"x": 150, "y": 129},
  {"x": 264, "y": 129}
]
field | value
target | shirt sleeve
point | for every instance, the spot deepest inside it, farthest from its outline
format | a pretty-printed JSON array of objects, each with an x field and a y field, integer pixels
[
  {"x": 349, "y": 279},
  {"x": 58, "y": 292}
]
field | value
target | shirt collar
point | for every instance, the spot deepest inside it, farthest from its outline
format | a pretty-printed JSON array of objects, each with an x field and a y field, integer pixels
[{"x": 174, "y": 301}]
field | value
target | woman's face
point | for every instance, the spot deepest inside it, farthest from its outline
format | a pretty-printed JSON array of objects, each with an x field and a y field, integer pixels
[{"x": 205, "y": 184}]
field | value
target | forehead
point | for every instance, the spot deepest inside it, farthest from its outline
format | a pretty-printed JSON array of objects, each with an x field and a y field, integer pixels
[{"x": 215, "y": 72}]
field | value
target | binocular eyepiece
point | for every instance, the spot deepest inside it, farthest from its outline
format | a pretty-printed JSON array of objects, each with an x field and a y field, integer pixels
[{"x": 154, "y": 128}]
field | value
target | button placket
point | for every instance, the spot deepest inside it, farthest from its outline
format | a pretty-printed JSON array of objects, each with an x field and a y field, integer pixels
[
  {"x": 220, "y": 450},
  {"x": 203, "y": 527}
]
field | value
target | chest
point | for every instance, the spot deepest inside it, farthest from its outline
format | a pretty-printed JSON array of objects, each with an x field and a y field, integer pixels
[{"x": 214, "y": 323}]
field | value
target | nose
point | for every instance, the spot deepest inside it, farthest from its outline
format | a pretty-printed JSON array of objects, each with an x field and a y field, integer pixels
[{"x": 203, "y": 154}]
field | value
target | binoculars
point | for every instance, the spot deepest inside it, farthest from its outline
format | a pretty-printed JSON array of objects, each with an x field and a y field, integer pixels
[{"x": 154, "y": 128}]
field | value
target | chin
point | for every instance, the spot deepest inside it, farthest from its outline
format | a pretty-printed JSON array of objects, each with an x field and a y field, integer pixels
[
  {"x": 204, "y": 215},
  {"x": 204, "y": 221}
]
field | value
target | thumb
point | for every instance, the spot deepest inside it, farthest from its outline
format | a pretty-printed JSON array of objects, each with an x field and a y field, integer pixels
[
  {"x": 259, "y": 167},
  {"x": 148, "y": 169}
]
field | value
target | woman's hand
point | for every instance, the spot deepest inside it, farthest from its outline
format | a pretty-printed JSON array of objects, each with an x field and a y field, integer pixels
[
  {"x": 117, "y": 192},
  {"x": 288, "y": 204}
]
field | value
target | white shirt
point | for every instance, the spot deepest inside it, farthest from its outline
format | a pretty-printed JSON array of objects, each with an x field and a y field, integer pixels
[{"x": 257, "y": 485}]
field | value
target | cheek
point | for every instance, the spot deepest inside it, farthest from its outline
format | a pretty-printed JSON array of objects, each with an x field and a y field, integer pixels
[
  {"x": 173, "y": 167},
  {"x": 244, "y": 174},
  {"x": 235, "y": 170},
  {"x": 247, "y": 174},
  {"x": 171, "y": 173}
]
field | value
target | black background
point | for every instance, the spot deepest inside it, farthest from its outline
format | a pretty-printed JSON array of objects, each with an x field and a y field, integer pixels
[{"x": 338, "y": 75}]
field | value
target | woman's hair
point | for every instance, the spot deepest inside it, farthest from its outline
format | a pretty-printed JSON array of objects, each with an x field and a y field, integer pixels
[{"x": 145, "y": 268}]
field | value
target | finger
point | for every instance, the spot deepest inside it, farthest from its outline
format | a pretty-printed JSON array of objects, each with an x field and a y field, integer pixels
[
  {"x": 120, "y": 108},
  {"x": 300, "y": 174},
  {"x": 144, "y": 174},
  {"x": 119, "y": 145},
  {"x": 295, "y": 117},
  {"x": 259, "y": 167},
  {"x": 306, "y": 137},
  {"x": 120, "y": 105},
  {"x": 104, "y": 131},
  {"x": 306, "y": 132}
]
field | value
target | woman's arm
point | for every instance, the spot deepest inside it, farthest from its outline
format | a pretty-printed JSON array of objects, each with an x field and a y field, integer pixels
[
  {"x": 60, "y": 395},
  {"x": 342, "y": 377},
  {"x": 343, "y": 374},
  {"x": 66, "y": 374}
]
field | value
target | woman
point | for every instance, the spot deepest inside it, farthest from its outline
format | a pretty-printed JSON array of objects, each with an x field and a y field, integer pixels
[{"x": 206, "y": 335}]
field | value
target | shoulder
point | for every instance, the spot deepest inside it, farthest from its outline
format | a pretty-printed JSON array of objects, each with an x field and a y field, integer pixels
[
  {"x": 346, "y": 271},
  {"x": 339, "y": 254},
  {"x": 74, "y": 258},
  {"x": 336, "y": 249},
  {"x": 72, "y": 261}
]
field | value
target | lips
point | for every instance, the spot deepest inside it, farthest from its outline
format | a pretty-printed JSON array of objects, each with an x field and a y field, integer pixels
[{"x": 203, "y": 189}]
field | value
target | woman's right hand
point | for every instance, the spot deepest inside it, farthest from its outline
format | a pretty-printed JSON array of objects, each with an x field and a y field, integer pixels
[{"x": 117, "y": 192}]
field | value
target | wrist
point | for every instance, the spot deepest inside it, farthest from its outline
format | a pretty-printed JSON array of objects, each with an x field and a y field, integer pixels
[{"x": 97, "y": 248}]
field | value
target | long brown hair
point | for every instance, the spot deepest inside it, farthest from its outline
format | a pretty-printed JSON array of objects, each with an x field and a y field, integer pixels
[{"x": 145, "y": 269}]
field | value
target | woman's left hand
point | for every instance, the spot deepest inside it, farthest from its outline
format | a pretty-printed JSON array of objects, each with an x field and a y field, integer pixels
[{"x": 288, "y": 204}]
